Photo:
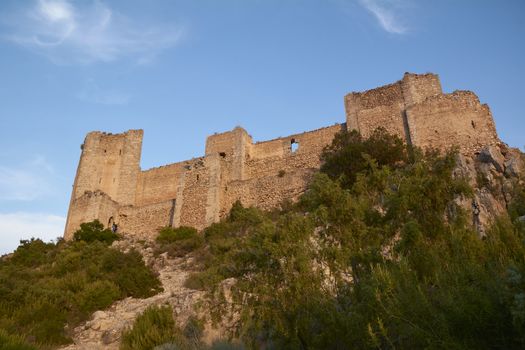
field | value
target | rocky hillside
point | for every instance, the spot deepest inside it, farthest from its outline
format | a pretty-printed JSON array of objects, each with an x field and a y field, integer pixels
[
  {"x": 104, "y": 329},
  {"x": 389, "y": 247}
]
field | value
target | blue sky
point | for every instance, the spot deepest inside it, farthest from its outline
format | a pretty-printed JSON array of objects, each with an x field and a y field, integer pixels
[{"x": 182, "y": 70}]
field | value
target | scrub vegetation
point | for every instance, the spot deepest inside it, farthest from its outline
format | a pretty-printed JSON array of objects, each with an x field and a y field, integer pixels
[
  {"x": 46, "y": 289},
  {"x": 377, "y": 254}
]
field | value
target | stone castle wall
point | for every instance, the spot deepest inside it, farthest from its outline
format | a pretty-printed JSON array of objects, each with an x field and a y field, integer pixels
[{"x": 110, "y": 186}]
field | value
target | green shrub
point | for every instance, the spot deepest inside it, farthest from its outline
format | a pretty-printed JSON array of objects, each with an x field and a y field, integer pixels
[
  {"x": 193, "y": 330},
  {"x": 170, "y": 235},
  {"x": 517, "y": 205},
  {"x": 45, "y": 286},
  {"x": 155, "y": 329},
  {"x": 128, "y": 273},
  {"x": 13, "y": 342},
  {"x": 94, "y": 231},
  {"x": 350, "y": 154},
  {"x": 195, "y": 281},
  {"x": 179, "y": 241},
  {"x": 33, "y": 252},
  {"x": 98, "y": 295}
]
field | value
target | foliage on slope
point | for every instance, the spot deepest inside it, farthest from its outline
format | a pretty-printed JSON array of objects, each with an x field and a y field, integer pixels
[
  {"x": 46, "y": 286},
  {"x": 13, "y": 342},
  {"x": 178, "y": 241},
  {"x": 377, "y": 254},
  {"x": 155, "y": 329}
]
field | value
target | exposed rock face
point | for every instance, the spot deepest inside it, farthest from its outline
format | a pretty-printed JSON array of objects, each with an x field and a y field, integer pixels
[
  {"x": 492, "y": 155},
  {"x": 104, "y": 329},
  {"x": 492, "y": 173}
]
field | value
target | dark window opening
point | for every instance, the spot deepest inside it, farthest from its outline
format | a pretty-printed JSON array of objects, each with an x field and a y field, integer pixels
[
  {"x": 197, "y": 177},
  {"x": 473, "y": 124},
  {"x": 294, "y": 145},
  {"x": 104, "y": 151},
  {"x": 119, "y": 152},
  {"x": 222, "y": 154}
]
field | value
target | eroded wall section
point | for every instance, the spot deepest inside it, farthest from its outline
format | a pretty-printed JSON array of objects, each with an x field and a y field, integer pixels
[
  {"x": 385, "y": 106},
  {"x": 448, "y": 120}
]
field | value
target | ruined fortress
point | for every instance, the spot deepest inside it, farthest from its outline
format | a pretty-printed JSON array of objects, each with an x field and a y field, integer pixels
[{"x": 110, "y": 186}]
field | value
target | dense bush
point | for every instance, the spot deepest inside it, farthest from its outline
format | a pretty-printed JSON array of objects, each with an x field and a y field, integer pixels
[
  {"x": 179, "y": 241},
  {"x": 376, "y": 254},
  {"x": 94, "y": 231},
  {"x": 154, "y": 327},
  {"x": 44, "y": 286},
  {"x": 349, "y": 154}
]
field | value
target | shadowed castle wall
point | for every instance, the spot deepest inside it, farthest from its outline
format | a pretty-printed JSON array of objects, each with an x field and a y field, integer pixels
[
  {"x": 109, "y": 184},
  {"x": 386, "y": 106},
  {"x": 456, "y": 119}
]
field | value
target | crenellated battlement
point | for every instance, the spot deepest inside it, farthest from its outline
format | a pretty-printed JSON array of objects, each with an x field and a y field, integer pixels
[{"x": 111, "y": 187}]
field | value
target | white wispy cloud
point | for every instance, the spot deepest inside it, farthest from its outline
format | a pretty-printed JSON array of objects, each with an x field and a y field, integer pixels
[
  {"x": 93, "y": 93},
  {"x": 23, "y": 225},
  {"x": 387, "y": 14},
  {"x": 87, "y": 32},
  {"x": 26, "y": 182}
]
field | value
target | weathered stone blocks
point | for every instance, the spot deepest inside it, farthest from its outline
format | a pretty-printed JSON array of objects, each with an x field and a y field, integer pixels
[{"x": 111, "y": 187}]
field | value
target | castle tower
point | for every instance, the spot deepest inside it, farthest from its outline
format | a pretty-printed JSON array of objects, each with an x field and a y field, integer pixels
[
  {"x": 386, "y": 106},
  {"x": 106, "y": 176},
  {"x": 416, "y": 109},
  {"x": 225, "y": 159}
]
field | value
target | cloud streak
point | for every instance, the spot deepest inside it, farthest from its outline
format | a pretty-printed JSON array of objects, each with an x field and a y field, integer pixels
[
  {"x": 386, "y": 14},
  {"x": 92, "y": 32},
  {"x": 24, "y": 225}
]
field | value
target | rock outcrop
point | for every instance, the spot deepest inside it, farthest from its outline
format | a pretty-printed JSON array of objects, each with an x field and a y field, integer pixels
[{"x": 492, "y": 173}]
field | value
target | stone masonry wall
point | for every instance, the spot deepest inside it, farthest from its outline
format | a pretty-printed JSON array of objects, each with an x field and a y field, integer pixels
[
  {"x": 144, "y": 221},
  {"x": 386, "y": 106},
  {"x": 456, "y": 119},
  {"x": 381, "y": 107},
  {"x": 110, "y": 185},
  {"x": 159, "y": 184},
  {"x": 88, "y": 207},
  {"x": 109, "y": 164}
]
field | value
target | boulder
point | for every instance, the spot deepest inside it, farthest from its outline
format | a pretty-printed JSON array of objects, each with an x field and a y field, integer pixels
[{"x": 492, "y": 154}]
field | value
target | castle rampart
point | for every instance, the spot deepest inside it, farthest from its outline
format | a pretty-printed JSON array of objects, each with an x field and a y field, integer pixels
[{"x": 111, "y": 187}]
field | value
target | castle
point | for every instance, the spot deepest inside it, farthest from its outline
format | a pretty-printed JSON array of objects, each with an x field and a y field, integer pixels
[{"x": 110, "y": 186}]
